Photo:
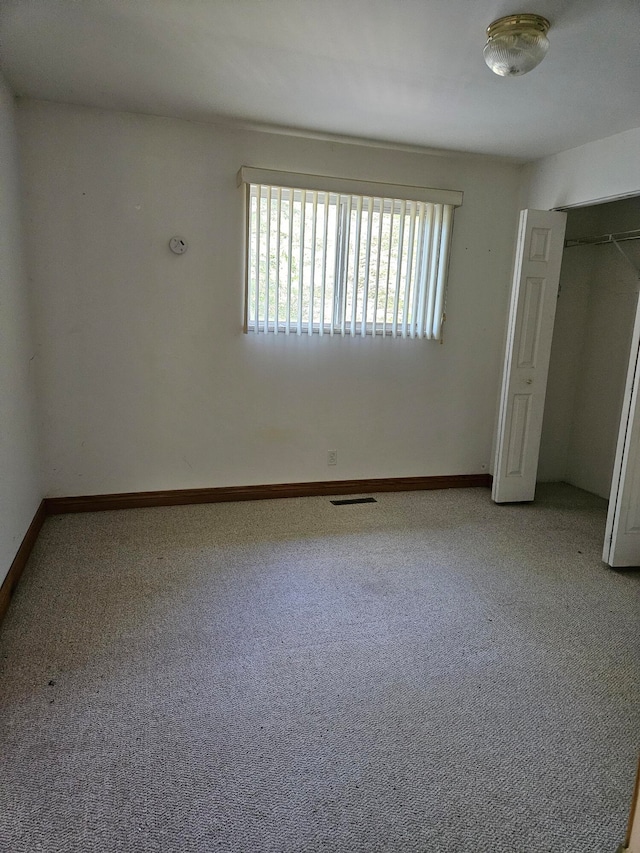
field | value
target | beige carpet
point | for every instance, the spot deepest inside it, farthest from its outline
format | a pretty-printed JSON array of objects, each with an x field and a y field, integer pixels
[{"x": 427, "y": 673}]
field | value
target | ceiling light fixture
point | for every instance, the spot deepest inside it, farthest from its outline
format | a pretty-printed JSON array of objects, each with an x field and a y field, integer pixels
[{"x": 516, "y": 44}]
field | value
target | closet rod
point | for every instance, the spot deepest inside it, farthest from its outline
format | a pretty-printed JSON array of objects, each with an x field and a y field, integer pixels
[{"x": 621, "y": 237}]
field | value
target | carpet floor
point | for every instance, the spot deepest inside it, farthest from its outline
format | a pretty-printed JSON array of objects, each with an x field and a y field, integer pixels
[{"x": 429, "y": 673}]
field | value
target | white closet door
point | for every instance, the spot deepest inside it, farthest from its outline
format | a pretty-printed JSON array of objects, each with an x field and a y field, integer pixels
[
  {"x": 622, "y": 535},
  {"x": 531, "y": 316}
]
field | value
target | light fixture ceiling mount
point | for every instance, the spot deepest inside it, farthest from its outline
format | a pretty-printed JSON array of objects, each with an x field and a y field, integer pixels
[{"x": 516, "y": 44}]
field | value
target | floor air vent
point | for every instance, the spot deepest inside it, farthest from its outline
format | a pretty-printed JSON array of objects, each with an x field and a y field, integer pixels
[{"x": 355, "y": 501}]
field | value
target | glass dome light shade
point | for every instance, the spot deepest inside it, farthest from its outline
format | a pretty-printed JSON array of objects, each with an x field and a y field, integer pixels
[{"x": 516, "y": 44}]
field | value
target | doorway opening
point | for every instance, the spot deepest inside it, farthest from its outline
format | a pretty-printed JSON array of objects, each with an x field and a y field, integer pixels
[{"x": 590, "y": 349}]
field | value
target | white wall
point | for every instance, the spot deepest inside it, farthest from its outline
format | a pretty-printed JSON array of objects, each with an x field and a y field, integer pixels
[
  {"x": 590, "y": 351},
  {"x": 601, "y": 379},
  {"x": 20, "y": 490},
  {"x": 605, "y": 169},
  {"x": 147, "y": 381},
  {"x": 564, "y": 366}
]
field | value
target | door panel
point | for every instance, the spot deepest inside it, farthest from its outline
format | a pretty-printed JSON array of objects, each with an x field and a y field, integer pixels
[
  {"x": 622, "y": 536},
  {"x": 531, "y": 316}
]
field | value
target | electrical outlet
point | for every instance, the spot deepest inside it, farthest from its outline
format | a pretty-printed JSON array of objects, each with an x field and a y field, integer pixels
[{"x": 332, "y": 457}]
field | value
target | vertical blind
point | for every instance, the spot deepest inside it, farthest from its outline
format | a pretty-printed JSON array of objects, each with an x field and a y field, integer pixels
[{"x": 342, "y": 263}]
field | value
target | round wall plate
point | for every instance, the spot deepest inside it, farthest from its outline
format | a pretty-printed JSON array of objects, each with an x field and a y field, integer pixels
[{"x": 178, "y": 245}]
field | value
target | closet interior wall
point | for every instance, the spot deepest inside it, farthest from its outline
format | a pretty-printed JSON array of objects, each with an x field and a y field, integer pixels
[{"x": 590, "y": 350}]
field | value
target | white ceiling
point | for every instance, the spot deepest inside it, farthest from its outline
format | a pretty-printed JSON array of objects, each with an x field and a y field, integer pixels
[{"x": 408, "y": 71}]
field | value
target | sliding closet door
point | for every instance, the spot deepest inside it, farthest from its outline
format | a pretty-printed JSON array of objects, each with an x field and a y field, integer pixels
[
  {"x": 622, "y": 536},
  {"x": 532, "y": 313}
]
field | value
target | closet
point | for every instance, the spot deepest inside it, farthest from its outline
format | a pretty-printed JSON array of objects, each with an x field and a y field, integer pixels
[{"x": 592, "y": 335}]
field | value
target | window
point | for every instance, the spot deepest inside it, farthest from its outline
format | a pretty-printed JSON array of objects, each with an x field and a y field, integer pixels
[{"x": 331, "y": 256}]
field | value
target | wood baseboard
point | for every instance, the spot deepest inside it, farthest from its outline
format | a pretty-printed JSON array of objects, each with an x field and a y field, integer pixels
[
  {"x": 177, "y": 497},
  {"x": 20, "y": 560}
]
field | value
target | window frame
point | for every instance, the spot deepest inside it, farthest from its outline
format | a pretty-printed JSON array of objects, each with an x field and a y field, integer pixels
[{"x": 377, "y": 194}]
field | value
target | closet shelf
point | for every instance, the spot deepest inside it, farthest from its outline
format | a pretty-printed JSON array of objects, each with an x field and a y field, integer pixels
[
  {"x": 616, "y": 240},
  {"x": 620, "y": 237}
]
